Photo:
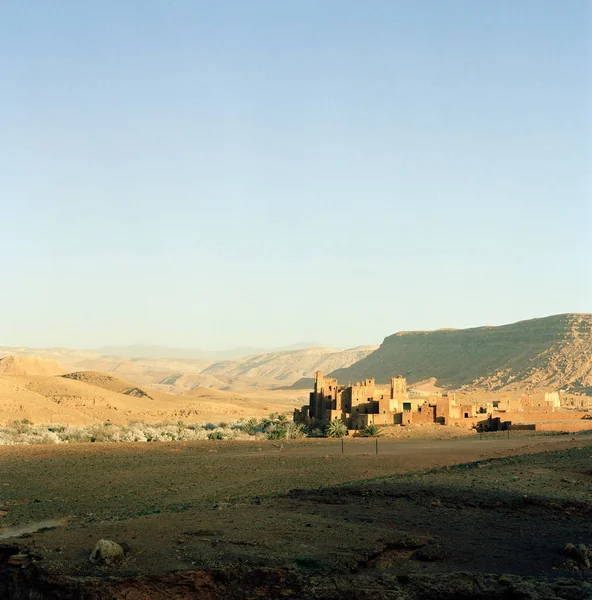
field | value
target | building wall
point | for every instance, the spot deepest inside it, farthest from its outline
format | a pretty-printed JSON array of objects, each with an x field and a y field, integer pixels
[
  {"x": 399, "y": 387},
  {"x": 537, "y": 416},
  {"x": 547, "y": 400},
  {"x": 424, "y": 415},
  {"x": 333, "y": 415},
  {"x": 361, "y": 421},
  {"x": 358, "y": 405},
  {"x": 583, "y": 425}
]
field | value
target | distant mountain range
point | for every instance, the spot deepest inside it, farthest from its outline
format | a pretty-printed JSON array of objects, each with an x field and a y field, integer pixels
[
  {"x": 180, "y": 375},
  {"x": 138, "y": 351},
  {"x": 551, "y": 352}
]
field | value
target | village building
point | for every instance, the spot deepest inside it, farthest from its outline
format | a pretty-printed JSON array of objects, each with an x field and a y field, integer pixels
[
  {"x": 358, "y": 406},
  {"x": 534, "y": 402},
  {"x": 368, "y": 403}
]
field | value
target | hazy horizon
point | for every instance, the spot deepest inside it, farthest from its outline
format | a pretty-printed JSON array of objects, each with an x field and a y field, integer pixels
[
  {"x": 206, "y": 175},
  {"x": 258, "y": 349}
]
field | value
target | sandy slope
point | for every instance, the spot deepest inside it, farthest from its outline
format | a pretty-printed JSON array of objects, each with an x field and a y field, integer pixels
[
  {"x": 98, "y": 397},
  {"x": 28, "y": 365}
]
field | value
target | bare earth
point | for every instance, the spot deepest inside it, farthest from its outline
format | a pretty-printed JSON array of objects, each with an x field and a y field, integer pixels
[
  {"x": 94, "y": 397},
  {"x": 235, "y": 520}
]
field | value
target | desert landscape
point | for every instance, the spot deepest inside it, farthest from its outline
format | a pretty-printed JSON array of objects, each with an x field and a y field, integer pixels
[
  {"x": 245, "y": 502},
  {"x": 82, "y": 388},
  {"x": 295, "y": 300}
]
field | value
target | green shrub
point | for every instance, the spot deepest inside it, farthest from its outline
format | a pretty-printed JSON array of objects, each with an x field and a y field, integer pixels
[
  {"x": 251, "y": 426},
  {"x": 216, "y": 435},
  {"x": 278, "y": 433},
  {"x": 336, "y": 429},
  {"x": 309, "y": 563},
  {"x": 295, "y": 430},
  {"x": 371, "y": 431},
  {"x": 56, "y": 428}
]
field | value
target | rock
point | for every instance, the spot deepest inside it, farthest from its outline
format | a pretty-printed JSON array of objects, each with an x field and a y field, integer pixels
[
  {"x": 429, "y": 553},
  {"x": 18, "y": 560},
  {"x": 106, "y": 552},
  {"x": 580, "y": 554},
  {"x": 568, "y": 549}
]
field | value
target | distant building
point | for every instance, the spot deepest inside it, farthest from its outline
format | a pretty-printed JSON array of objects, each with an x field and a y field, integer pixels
[
  {"x": 359, "y": 405},
  {"x": 368, "y": 403}
]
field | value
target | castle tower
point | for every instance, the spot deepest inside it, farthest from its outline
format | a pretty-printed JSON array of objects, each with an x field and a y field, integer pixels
[
  {"x": 318, "y": 381},
  {"x": 398, "y": 387}
]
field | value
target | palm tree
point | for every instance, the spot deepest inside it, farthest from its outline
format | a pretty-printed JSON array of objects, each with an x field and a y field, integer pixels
[
  {"x": 336, "y": 429},
  {"x": 372, "y": 431},
  {"x": 266, "y": 423}
]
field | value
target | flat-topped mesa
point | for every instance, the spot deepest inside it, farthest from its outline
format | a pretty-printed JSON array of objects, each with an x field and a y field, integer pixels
[
  {"x": 359, "y": 405},
  {"x": 551, "y": 352}
]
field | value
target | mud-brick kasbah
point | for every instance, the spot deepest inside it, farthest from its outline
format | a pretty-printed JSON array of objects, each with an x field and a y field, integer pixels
[{"x": 368, "y": 403}]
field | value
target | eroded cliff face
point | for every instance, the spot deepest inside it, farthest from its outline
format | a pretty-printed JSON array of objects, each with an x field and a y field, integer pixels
[{"x": 552, "y": 352}]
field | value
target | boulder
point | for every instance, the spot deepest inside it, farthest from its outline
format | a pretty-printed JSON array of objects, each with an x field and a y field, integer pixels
[
  {"x": 429, "y": 553},
  {"x": 579, "y": 554},
  {"x": 18, "y": 560},
  {"x": 106, "y": 552}
]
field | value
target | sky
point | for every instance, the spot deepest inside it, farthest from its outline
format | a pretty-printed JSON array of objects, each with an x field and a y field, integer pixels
[{"x": 220, "y": 174}]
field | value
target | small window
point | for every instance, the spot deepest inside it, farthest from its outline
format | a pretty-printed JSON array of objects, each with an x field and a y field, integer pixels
[{"x": 466, "y": 415}]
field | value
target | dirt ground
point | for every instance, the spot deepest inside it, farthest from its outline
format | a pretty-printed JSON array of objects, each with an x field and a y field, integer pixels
[{"x": 483, "y": 504}]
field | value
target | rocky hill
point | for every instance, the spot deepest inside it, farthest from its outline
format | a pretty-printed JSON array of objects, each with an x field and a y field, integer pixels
[
  {"x": 178, "y": 376},
  {"x": 551, "y": 352},
  {"x": 277, "y": 368}
]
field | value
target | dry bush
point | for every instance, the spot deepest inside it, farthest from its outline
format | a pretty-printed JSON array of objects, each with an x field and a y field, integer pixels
[{"x": 26, "y": 433}]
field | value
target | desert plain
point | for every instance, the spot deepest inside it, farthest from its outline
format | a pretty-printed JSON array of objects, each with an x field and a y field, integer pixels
[{"x": 483, "y": 516}]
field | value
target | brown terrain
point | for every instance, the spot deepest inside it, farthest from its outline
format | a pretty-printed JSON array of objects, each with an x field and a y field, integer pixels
[
  {"x": 480, "y": 517},
  {"x": 89, "y": 397}
]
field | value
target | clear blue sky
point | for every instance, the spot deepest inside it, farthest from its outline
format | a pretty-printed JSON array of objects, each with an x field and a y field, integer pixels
[{"x": 216, "y": 174}]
